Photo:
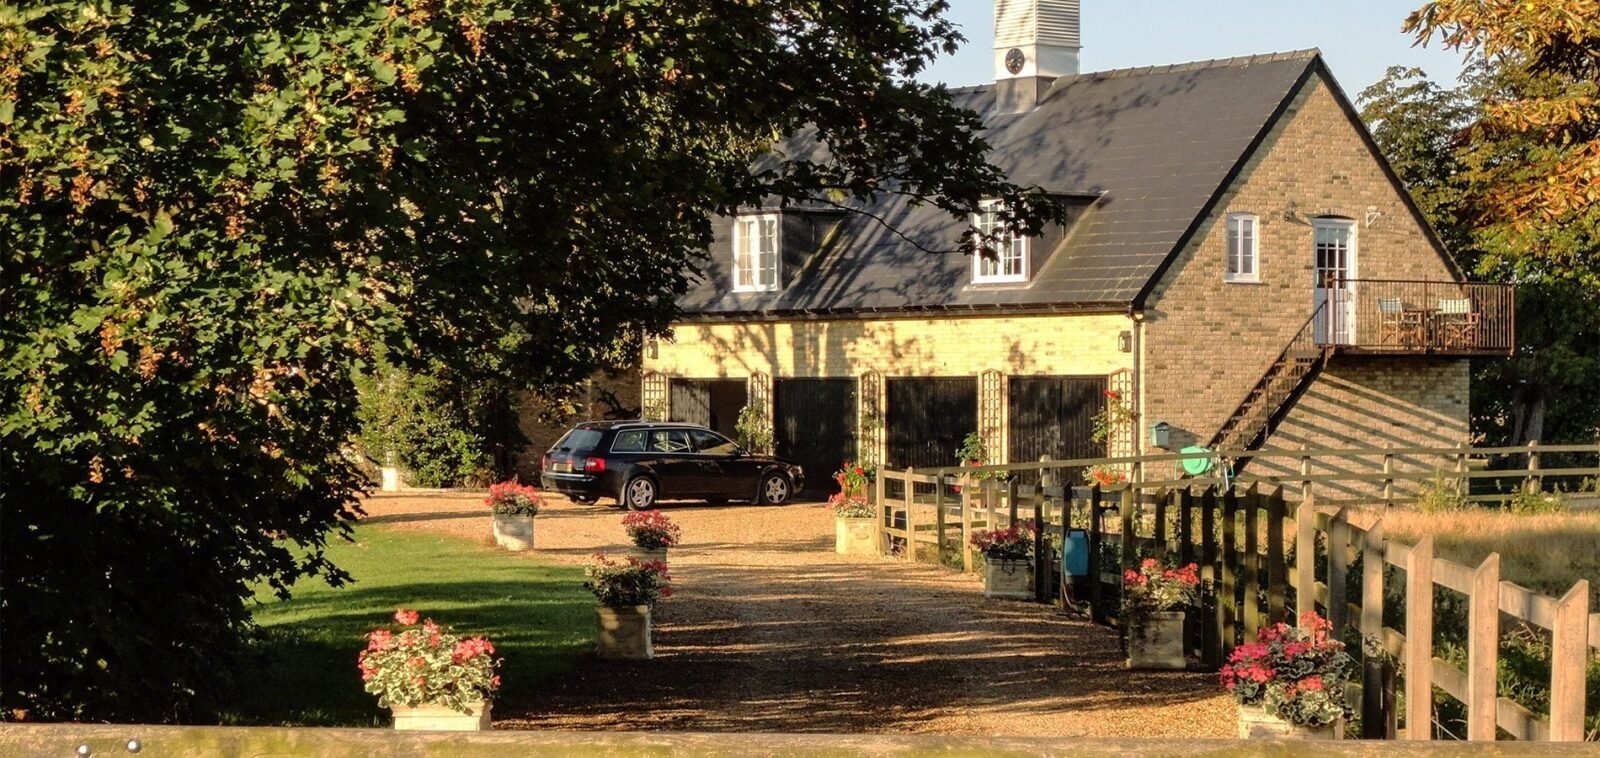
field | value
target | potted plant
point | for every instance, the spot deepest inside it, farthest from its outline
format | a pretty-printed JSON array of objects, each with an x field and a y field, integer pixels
[
  {"x": 514, "y": 506},
  {"x": 1153, "y": 601},
  {"x": 1006, "y": 570},
  {"x": 652, "y": 533},
  {"x": 626, "y": 592},
  {"x": 429, "y": 676},
  {"x": 1105, "y": 476},
  {"x": 855, "y": 523},
  {"x": 1289, "y": 683},
  {"x": 972, "y": 454}
]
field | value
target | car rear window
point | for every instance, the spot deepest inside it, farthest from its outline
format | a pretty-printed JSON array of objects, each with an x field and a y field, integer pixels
[
  {"x": 580, "y": 440},
  {"x": 629, "y": 442}
]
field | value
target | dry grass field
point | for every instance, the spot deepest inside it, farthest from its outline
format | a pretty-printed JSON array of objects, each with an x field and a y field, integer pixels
[{"x": 1545, "y": 552}]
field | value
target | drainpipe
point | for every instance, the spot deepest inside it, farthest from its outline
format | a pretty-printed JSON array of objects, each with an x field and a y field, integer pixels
[{"x": 1139, "y": 442}]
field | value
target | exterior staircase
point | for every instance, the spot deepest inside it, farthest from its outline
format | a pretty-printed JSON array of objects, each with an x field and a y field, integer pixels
[{"x": 1275, "y": 394}]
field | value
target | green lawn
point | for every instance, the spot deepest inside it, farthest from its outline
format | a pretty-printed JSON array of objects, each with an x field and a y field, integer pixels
[{"x": 538, "y": 615}]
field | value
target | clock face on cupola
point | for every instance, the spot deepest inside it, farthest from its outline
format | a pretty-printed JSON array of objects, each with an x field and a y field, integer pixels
[{"x": 1014, "y": 61}]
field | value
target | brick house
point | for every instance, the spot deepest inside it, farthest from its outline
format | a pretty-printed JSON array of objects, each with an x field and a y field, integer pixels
[{"x": 1239, "y": 263}]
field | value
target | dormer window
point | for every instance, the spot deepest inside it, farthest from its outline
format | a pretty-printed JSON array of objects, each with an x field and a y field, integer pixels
[
  {"x": 755, "y": 253},
  {"x": 1010, "y": 263}
]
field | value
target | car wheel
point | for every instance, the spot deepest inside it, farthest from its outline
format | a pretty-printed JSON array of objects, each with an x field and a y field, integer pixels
[
  {"x": 639, "y": 494},
  {"x": 774, "y": 489}
]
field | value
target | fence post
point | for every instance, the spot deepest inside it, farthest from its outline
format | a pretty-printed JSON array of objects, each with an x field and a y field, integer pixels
[
  {"x": 939, "y": 516},
  {"x": 1041, "y": 565},
  {"x": 1535, "y": 483},
  {"x": 1185, "y": 527},
  {"x": 1483, "y": 649},
  {"x": 1011, "y": 501},
  {"x": 1305, "y": 556},
  {"x": 966, "y": 531},
  {"x": 881, "y": 508},
  {"x": 1277, "y": 568},
  {"x": 1338, "y": 570},
  {"x": 1419, "y": 641},
  {"x": 1569, "y": 657},
  {"x": 1096, "y": 538},
  {"x": 1388, "y": 476},
  {"x": 1211, "y": 629},
  {"x": 1252, "y": 562},
  {"x": 1463, "y": 485},
  {"x": 1228, "y": 598},
  {"x": 1161, "y": 519},
  {"x": 1377, "y": 715},
  {"x": 911, "y": 517}
]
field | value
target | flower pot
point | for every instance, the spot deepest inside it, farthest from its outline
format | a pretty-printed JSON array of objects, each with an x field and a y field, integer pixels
[
  {"x": 855, "y": 536},
  {"x": 624, "y": 632},
  {"x": 647, "y": 554},
  {"x": 513, "y": 533},
  {"x": 1004, "y": 578},
  {"x": 442, "y": 719},
  {"x": 389, "y": 476},
  {"x": 1156, "y": 643},
  {"x": 1256, "y": 724}
]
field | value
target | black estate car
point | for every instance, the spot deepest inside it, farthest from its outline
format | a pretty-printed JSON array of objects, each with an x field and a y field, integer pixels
[{"x": 640, "y": 462}]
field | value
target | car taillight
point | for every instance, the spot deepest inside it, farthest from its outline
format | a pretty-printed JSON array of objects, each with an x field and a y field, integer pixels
[
  {"x": 544, "y": 462},
  {"x": 593, "y": 464}
]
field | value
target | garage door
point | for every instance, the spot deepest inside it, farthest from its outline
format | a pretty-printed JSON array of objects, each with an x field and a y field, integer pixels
[
  {"x": 814, "y": 425},
  {"x": 713, "y": 403},
  {"x": 927, "y": 419},
  {"x": 1054, "y": 416}
]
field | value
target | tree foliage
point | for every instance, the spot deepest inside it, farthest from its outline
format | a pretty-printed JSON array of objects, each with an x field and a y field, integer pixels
[
  {"x": 1535, "y": 146},
  {"x": 1446, "y": 145},
  {"x": 216, "y": 214}
]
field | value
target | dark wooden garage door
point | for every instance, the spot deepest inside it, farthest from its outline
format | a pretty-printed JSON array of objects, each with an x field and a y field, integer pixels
[
  {"x": 814, "y": 423},
  {"x": 1053, "y": 415},
  {"x": 713, "y": 403},
  {"x": 927, "y": 419}
]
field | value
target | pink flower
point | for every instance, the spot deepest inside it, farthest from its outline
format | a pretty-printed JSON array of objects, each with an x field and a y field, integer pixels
[
  {"x": 405, "y": 617},
  {"x": 1313, "y": 683},
  {"x": 379, "y": 639}
]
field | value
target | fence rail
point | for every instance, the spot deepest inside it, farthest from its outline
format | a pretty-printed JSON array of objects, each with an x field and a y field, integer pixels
[{"x": 1262, "y": 552}]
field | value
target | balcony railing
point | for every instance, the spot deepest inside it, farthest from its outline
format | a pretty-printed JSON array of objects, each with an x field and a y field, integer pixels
[{"x": 1417, "y": 317}]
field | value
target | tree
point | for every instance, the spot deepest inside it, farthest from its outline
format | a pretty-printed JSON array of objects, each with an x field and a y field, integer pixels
[
  {"x": 217, "y": 215},
  {"x": 1534, "y": 150},
  {"x": 1435, "y": 139}
]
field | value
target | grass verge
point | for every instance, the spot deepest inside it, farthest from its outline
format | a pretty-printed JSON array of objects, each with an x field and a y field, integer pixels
[
  {"x": 1546, "y": 553},
  {"x": 538, "y": 615}
]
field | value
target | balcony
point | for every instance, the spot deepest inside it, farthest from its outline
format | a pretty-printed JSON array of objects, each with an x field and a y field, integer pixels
[{"x": 1400, "y": 317}]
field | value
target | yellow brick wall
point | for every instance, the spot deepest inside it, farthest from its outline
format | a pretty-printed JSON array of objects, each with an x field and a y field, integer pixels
[
  {"x": 1041, "y": 345},
  {"x": 957, "y": 346},
  {"x": 1207, "y": 341}
]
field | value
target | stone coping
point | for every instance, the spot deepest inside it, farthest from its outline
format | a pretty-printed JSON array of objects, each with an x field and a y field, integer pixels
[{"x": 165, "y": 741}]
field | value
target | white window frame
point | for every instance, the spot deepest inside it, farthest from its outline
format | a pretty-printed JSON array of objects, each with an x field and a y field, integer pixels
[
  {"x": 742, "y": 226},
  {"x": 1020, "y": 250},
  {"x": 1233, "y": 248}
]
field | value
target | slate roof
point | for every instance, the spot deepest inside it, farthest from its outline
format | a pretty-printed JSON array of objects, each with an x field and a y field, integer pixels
[{"x": 1155, "y": 145}]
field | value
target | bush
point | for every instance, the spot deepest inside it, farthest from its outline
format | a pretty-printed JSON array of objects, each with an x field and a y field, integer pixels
[
  {"x": 443, "y": 432},
  {"x": 1536, "y": 503},
  {"x": 1441, "y": 496}
]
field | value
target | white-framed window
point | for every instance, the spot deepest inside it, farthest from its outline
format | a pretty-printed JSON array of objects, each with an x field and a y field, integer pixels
[
  {"x": 755, "y": 253},
  {"x": 1244, "y": 262},
  {"x": 1010, "y": 263}
]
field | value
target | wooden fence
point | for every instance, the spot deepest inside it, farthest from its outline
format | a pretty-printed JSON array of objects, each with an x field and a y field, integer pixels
[{"x": 1259, "y": 542}]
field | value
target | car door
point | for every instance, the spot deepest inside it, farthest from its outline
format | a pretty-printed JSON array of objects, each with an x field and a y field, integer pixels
[
  {"x": 673, "y": 460},
  {"x": 723, "y": 470}
]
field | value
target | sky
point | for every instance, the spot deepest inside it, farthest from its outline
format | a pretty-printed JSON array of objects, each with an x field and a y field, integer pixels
[{"x": 1358, "y": 38}]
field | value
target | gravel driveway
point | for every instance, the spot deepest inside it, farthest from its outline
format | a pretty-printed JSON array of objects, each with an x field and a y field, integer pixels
[{"x": 769, "y": 630}]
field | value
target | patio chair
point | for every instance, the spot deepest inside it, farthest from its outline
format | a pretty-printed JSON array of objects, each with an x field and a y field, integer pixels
[
  {"x": 1458, "y": 322},
  {"x": 1396, "y": 325}
]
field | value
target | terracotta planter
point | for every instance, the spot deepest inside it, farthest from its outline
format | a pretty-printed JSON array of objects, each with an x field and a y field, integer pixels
[
  {"x": 1007, "y": 579},
  {"x": 647, "y": 554},
  {"x": 441, "y": 719},
  {"x": 1256, "y": 724},
  {"x": 514, "y": 533},
  {"x": 624, "y": 632},
  {"x": 1157, "y": 643},
  {"x": 855, "y": 536}
]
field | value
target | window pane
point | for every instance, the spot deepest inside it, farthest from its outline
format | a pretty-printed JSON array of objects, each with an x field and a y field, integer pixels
[
  {"x": 712, "y": 444},
  {"x": 629, "y": 442}
]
